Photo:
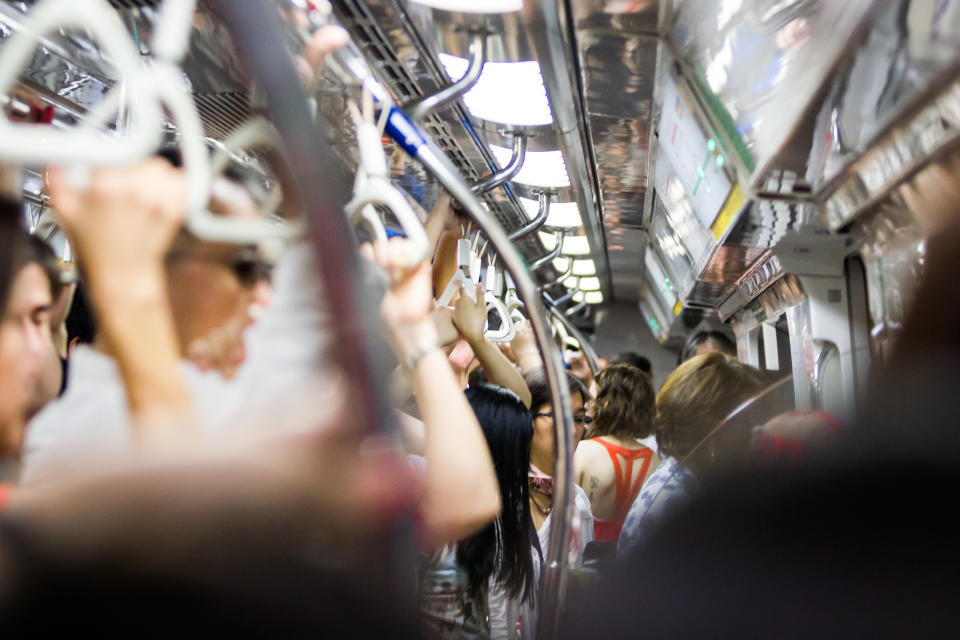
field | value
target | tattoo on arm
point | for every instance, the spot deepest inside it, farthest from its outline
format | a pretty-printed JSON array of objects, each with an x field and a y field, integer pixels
[{"x": 594, "y": 482}]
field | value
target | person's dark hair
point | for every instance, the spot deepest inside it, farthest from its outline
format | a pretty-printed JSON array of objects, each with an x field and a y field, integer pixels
[
  {"x": 502, "y": 550},
  {"x": 81, "y": 321},
  {"x": 717, "y": 339},
  {"x": 634, "y": 359},
  {"x": 698, "y": 396},
  {"x": 624, "y": 406},
  {"x": 9, "y": 212},
  {"x": 540, "y": 391},
  {"x": 40, "y": 253}
]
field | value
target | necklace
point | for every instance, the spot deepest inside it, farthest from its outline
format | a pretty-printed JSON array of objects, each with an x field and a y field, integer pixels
[{"x": 543, "y": 510}]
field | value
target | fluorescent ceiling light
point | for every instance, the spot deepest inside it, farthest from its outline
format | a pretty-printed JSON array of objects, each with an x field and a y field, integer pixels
[
  {"x": 540, "y": 168},
  {"x": 586, "y": 284},
  {"x": 507, "y": 92},
  {"x": 563, "y": 215},
  {"x": 580, "y": 267},
  {"x": 576, "y": 246},
  {"x": 549, "y": 241},
  {"x": 590, "y": 297},
  {"x": 474, "y": 6},
  {"x": 572, "y": 246}
]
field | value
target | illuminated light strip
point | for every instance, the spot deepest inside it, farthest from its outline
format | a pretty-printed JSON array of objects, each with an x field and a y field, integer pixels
[
  {"x": 540, "y": 168},
  {"x": 507, "y": 92},
  {"x": 563, "y": 215}
]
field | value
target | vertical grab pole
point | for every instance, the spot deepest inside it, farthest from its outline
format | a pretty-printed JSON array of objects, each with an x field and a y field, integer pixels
[
  {"x": 553, "y": 591},
  {"x": 259, "y": 40}
]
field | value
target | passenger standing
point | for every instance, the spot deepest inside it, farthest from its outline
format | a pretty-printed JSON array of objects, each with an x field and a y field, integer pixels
[
  {"x": 694, "y": 400},
  {"x": 541, "y": 476},
  {"x": 475, "y": 587},
  {"x": 614, "y": 463}
]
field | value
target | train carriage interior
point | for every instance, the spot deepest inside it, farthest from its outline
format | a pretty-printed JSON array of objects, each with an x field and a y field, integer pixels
[{"x": 509, "y": 319}]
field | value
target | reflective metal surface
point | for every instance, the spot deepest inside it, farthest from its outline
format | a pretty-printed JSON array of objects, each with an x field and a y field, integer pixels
[{"x": 617, "y": 47}]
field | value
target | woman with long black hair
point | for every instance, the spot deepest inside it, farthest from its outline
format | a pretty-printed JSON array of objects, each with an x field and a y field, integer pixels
[{"x": 474, "y": 589}]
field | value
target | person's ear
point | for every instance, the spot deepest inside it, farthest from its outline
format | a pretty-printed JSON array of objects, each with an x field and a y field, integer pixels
[{"x": 73, "y": 343}]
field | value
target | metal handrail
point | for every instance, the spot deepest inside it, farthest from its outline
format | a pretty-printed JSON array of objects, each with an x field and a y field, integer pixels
[
  {"x": 567, "y": 297},
  {"x": 540, "y": 262},
  {"x": 563, "y": 276},
  {"x": 572, "y": 311},
  {"x": 538, "y": 221},
  {"x": 433, "y": 158},
  {"x": 420, "y": 109},
  {"x": 588, "y": 351},
  {"x": 509, "y": 172}
]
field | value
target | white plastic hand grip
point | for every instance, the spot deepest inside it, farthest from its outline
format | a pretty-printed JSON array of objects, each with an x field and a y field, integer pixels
[
  {"x": 503, "y": 334},
  {"x": 463, "y": 278},
  {"x": 373, "y": 186},
  {"x": 28, "y": 143}
]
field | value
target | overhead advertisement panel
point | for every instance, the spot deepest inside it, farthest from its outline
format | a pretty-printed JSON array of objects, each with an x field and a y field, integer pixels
[{"x": 696, "y": 158}]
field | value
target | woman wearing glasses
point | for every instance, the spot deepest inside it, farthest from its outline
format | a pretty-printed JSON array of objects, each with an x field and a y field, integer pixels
[
  {"x": 541, "y": 475},
  {"x": 617, "y": 459}
]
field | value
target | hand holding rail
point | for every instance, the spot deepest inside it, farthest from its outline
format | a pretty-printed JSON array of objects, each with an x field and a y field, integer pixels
[
  {"x": 464, "y": 276},
  {"x": 373, "y": 186}
]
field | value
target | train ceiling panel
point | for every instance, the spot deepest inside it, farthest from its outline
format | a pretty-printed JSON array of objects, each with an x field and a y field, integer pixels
[{"x": 681, "y": 142}]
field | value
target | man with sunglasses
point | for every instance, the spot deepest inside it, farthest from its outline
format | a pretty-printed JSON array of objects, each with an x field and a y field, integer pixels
[{"x": 216, "y": 291}]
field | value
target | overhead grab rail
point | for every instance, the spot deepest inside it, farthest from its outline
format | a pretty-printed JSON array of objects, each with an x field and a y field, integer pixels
[
  {"x": 420, "y": 109},
  {"x": 572, "y": 311},
  {"x": 585, "y": 347},
  {"x": 509, "y": 172},
  {"x": 542, "y": 261},
  {"x": 567, "y": 297},
  {"x": 566, "y": 274},
  {"x": 538, "y": 221}
]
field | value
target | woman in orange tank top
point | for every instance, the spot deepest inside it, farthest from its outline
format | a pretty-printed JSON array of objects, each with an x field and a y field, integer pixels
[{"x": 620, "y": 454}]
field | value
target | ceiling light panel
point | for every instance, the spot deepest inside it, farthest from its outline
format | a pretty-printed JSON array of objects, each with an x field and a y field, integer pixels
[
  {"x": 572, "y": 246},
  {"x": 580, "y": 267},
  {"x": 474, "y": 6},
  {"x": 563, "y": 215},
  {"x": 507, "y": 92},
  {"x": 540, "y": 168},
  {"x": 590, "y": 297}
]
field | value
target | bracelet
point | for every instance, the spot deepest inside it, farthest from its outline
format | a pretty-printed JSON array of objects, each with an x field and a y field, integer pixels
[{"x": 422, "y": 352}]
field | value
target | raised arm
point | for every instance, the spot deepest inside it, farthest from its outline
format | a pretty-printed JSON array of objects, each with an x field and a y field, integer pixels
[
  {"x": 120, "y": 229},
  {"x": 458, "y": 459},
  {"x": 470, "y": 318}
]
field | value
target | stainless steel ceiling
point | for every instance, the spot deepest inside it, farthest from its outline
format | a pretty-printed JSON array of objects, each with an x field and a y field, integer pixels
[{"x": 617, "y": 49}]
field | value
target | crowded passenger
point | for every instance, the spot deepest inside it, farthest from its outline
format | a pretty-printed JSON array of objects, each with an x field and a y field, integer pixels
[
  {"x": 616, "y": 459},
  {"x": 636, "y": 360},
  {"x": 693, "y": 402},
  {"x": 475, "y": 587},
  {"x": 707, "y": 342}
]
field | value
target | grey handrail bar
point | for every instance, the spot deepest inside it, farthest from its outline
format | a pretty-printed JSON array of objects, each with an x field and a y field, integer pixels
[
  {"x": 509, "y": 172},
  {"x": 588, "y": 351},
  {"x": 555, "y": 556},
  {"x": 538, "y": 221},
  {"x": 420, "y": 109},
  {"x": 543, "y": 260}
]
